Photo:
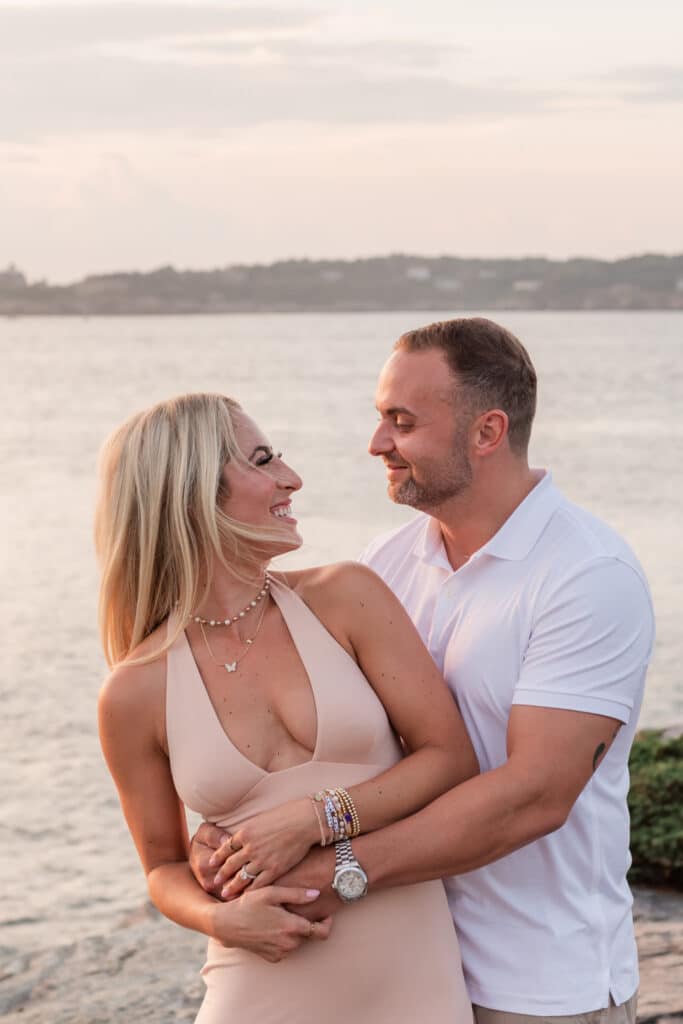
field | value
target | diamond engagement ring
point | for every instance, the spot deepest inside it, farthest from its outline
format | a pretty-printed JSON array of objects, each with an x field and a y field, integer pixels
[{"x": 247, "y": 876}]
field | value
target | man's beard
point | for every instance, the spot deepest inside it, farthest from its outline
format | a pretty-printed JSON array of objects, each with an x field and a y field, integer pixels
[
  {"x": 452, "y": 481},
  {"x": 449, "y": 480}
]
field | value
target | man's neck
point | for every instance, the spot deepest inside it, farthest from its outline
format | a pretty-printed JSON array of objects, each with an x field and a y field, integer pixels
[{"x": 470, "y": 520}]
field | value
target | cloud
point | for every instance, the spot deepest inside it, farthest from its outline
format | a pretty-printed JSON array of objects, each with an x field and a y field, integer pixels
[
  {"x": 99, "y": 94},
  {"x": 649, "y": 83},
  {"x": 73, "y": 70},
  {"x": 381, "y": 53},
  {"x": 40, "y": 31}
]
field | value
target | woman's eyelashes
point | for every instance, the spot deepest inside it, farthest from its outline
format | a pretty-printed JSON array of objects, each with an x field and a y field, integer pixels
[{"x": 267, "y": 456}]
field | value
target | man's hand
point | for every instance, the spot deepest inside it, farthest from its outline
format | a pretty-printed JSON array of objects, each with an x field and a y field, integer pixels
[
  {"x": 206, "y": 840},
  {"x": 315, "y": 871}
]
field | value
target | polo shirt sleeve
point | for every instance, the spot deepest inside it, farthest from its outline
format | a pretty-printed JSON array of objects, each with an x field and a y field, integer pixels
[
  {"x": 365, "y": 557},
  {"x": 591, "y": 641}
]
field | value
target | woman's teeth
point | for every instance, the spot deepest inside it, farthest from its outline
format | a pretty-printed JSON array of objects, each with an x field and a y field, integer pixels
[{"x": 282, "y": 511}]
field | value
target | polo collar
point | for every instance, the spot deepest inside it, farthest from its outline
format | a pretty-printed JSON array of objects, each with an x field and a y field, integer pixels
[
  {"x": 513, "y": 541},
  {"x": 521, "y": 531}
]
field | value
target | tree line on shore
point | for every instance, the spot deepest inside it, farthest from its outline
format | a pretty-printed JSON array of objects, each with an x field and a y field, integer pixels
[{"x": 394, "y": 282}]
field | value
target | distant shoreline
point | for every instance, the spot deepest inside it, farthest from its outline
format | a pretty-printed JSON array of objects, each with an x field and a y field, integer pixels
[{"x": 399, "y": 283}]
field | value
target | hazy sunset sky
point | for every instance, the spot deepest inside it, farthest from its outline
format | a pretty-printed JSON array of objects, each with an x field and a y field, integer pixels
[{"x": 135, "y": 134}]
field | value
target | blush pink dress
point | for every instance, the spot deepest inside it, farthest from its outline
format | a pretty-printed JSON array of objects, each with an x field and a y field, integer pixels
[{"x": 391, "y": 957}]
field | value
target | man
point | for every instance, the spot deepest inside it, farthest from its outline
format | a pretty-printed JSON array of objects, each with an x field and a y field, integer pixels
[{"x": 540, "y": 619}]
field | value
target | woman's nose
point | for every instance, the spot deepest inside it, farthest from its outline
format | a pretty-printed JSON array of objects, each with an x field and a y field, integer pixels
[{"x": 290, "y": 480}]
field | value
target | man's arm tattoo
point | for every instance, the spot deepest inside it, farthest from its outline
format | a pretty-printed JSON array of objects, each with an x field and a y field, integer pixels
[
  {"x": 599, "y": 751},
  {"x": 602, "y": 747}
]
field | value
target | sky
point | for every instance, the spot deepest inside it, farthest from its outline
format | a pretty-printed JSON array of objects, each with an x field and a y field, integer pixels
[{"x": 139, "y": 134}]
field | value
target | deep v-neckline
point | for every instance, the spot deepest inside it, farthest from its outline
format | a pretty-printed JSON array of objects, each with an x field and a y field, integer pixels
[{"x": 300, "y": 649}]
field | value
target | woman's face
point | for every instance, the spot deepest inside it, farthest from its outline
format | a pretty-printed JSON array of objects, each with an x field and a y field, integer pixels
[{"x": 260, "y": 489}]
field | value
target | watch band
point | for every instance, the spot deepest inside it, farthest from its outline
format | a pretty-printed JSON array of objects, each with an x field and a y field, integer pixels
[{"x": 344, "y": 855}]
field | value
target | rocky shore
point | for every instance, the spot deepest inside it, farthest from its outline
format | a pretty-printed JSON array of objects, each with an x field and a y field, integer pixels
[{"x": 146, "y": 969}]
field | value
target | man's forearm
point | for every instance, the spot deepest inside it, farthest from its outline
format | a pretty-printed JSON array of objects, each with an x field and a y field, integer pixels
[{"x": 474, "y": 824}]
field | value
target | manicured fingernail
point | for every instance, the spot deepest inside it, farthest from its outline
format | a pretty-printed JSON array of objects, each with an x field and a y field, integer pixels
[
  {"x": 226, "y": 891},
  {"x": 217, "y": 880},
  {"x": 213, "y": 860},
  {"x": 312, "y": 893}
]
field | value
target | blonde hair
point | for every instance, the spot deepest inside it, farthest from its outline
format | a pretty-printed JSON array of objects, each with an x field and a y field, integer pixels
[{"x": 159, "y": 529}]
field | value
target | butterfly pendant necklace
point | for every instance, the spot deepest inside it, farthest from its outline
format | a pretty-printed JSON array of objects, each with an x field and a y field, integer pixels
[{"x": 231, "y": 666}]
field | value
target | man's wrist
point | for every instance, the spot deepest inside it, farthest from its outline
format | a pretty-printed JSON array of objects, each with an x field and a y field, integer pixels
[
  {"x": 325, "y": 865},
  {"x": 372, "y": 865}
]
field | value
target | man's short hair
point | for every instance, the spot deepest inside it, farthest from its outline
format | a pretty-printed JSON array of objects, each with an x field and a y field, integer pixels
[{"x": 490, "y": 363}]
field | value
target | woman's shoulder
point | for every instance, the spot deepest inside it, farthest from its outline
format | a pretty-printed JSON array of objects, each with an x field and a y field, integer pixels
[
  {"x": 341, "y": 593},
  {"x": 139, "y": 680},
  {"x": 332, "y": 580}
]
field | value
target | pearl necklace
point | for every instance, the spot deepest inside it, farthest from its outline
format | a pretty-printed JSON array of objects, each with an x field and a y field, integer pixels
[
  {"x": 231, "y": 666},
  {"x": 230, "y": 621}
]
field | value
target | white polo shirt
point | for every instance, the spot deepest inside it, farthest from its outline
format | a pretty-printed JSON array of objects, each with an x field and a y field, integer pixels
[{"x": 554, "y": 611}]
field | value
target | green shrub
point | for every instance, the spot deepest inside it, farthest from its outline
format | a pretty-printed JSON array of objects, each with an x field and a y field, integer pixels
[{"x": 656, "y": 805}]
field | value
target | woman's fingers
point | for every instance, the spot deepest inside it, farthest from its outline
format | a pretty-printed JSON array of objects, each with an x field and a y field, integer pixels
[
  {"x": 234, "y": 863},
  {"x": 249, "y": 876},
  {"x": 289, "y": 894},
  {"x": 287, "y": 928},
  {"x": 239, "y": 883},
  {"x": 320, "y": 930},
  {"x": 220, "y": 855},
  {"x": 263, "y": 878}
]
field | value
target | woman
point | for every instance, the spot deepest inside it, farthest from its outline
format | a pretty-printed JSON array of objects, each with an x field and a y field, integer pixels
[{"x": 270, "y": 704}]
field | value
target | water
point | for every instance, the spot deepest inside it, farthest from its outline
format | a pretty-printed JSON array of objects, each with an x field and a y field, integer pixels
[{"x": 609, "y": 426}]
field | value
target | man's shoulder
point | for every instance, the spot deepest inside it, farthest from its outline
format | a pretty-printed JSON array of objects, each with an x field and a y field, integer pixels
[
  {"x": 394, "y": 545},
  {"x": 584, "y": 537}
]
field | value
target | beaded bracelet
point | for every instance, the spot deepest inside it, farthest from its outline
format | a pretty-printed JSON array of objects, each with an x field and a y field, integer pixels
[
  {"x": 329, "y": 814},
  {"x": 340, "y": 814},
  {"x": 351, "y": 818}
]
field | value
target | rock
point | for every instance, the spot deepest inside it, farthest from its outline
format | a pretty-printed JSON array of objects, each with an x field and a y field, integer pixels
[
  {"x": 658, "y": 919},
  {"x": 148, "y": 970},
  {"x": 674, "y": 732}
]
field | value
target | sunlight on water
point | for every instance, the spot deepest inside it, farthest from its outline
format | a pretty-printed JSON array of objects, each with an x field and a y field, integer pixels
[{"x": 609, "y": 426}]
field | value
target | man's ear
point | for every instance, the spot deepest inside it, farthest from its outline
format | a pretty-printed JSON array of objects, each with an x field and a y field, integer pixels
[{"x": 489, "y": 431}]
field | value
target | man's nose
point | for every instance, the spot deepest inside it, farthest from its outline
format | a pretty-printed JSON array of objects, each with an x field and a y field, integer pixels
[{"x": 381, "y": 441}]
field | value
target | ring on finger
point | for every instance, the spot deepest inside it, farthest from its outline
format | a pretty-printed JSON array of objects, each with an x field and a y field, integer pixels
[{"x": 247, "y": 876}]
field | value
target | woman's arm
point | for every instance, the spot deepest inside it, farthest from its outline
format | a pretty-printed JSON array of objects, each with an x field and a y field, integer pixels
[
  {"x": 417, "y": 700},
  {"x": 369, "y": 621},
  {"x": 130, "y": 712}
]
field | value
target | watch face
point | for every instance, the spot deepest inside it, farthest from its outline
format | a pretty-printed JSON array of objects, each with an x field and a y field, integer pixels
[{"x": 351, "y": 884}]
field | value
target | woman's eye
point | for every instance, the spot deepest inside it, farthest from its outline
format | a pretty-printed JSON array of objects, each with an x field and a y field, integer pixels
[
  {"x": 268, "y": 457},
  {"x": 400, "y": 425}
]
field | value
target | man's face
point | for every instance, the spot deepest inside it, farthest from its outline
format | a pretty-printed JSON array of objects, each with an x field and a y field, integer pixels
[{"x": 423, "y": 432}]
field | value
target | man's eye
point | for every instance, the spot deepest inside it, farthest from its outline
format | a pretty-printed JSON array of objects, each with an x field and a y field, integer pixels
[{"x": 402, "y": 425}]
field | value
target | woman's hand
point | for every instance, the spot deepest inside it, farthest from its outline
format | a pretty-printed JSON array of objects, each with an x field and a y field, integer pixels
[
  {"x": 266, "y": 846},
  {"x": 257, "y": 921}
]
